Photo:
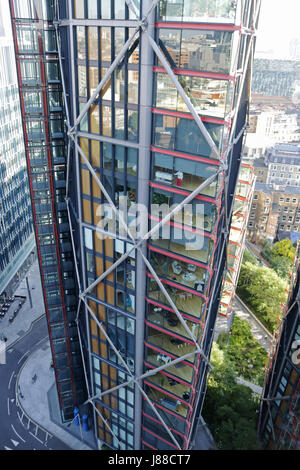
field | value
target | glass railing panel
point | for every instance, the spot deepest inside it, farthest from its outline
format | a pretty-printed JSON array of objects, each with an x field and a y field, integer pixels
[
  {"x": 185, "y": 173},
  {"x": 204, "y": 11},
  {"x": 185, "y": 243},
  {"x": 184, "y": 301},
  {"x": 169, "y": 321},
  {"x": 171, "y": 404},
  {"x": 180, "y": 370},
  {"x": 210, "y": 97},
  {"x": 186, "y": 274},
  {"x": 198, "y": 214}
]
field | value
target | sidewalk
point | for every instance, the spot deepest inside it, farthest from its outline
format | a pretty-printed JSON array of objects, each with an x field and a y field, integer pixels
[
  {"x": 22, "y": 322},
  {"x": 39, "y": 401}
]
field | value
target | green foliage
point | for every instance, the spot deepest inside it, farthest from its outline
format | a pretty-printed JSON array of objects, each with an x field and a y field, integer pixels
[
  {"x": 229, "y": 408},
  {"x": 249, "y": 258},
  {"x": 281, "y": 266},
  {"x": 267, "y": 250},
  {"x": 263, "y": 291},
  {"x": 284, "y": 248},
  {"x": 244, "y": 352}
]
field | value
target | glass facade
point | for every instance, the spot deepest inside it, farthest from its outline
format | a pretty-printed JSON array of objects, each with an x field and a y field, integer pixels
[
  {"x": 45, "y": 146},
  {"x": 135, "y": 141},
  {"x": 279, "y": 423},
  {"x": 16, "y": 228}
]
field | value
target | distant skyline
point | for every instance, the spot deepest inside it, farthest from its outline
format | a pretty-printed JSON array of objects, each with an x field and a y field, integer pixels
[{"x": 278, "y": 26}]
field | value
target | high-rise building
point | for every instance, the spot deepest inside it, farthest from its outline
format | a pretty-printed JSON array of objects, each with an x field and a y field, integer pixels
[
  {"x": 279, "y": 423},
  {"x": 16, "y": 228},
  {"x": 134, "y": 108}
]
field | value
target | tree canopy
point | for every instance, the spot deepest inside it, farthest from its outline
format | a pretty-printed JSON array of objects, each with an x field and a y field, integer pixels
[
  {"x": 229, "y": 408},
  {"x": 263, "y": 290}
]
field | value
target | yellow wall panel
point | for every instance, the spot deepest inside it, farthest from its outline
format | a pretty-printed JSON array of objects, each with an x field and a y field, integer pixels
[
  {"x": 87, "y": 216},
  {"x": 85, "y": 182}
]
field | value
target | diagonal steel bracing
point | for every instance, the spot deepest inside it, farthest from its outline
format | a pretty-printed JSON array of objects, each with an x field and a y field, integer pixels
[{"x": 73, "y": 134}]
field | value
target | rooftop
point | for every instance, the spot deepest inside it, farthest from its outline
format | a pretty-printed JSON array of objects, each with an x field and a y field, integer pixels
[{"x": 271, "y": 188}]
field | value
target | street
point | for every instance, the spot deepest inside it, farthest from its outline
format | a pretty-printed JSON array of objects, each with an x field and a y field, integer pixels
[{"x": 17, "y": 432}]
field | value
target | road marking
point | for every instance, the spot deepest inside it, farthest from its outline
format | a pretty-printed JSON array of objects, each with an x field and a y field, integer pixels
[
  {"x": 8, "y": 410},
  {"x": 15, "y": 443},
  {"x": 11, "y": 377},
  {"x": 36, "y": 437},
  {"x": 20, "y": 418},
  {"x": 7, "y": 448},
  {"x": 23, "y": 357},
  {"x": 17, "y": 434}
]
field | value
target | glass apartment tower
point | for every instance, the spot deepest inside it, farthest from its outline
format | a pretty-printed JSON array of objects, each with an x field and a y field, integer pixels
[
  {"x": 279, "y": 423},
  {"x": 141, "y": 108},
  {"x": 16, "y": 229}
]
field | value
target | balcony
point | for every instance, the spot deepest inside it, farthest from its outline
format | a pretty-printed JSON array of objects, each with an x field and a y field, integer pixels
[
  {"x": 171, "y": 386},
  {"x": 171, "y": 404},
  {"x": 167, "y": 344},
  {"x": 185, "y": 302},
  {"x": 184, "y": 174},
  {"x": 199, "y": 214},
  {"x": 180, "y": 370},
  {"x": 169, "y": 321},
  {"x": 199, "y": 249},
  {"x": 186, "y": 274}
]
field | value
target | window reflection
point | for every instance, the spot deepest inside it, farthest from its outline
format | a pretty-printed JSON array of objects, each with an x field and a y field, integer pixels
[
  {"x": 184, "y": 301},
  {"x": 93, "y": 43},
  {"x": 184, "y": 135},
  {"x": 188, "y": 244},
  {"x": 106, "y": 44},
  {"x": 200, "y": 10},
  {"x": 199, "y": 214},
  {"x": 187, "y": 274},
  {"x": 209, "y": 97},
  {"x": 206, "y": 51},
  {"x": 80, "y": 42}
]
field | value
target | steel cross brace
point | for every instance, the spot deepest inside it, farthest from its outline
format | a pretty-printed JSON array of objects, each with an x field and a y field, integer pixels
[
  {"x": 202, "y": 128},
  {"x": 112, "y": 205}
]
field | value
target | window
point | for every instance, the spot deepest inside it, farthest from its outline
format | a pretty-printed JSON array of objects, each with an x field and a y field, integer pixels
[{"x": 206, "y": 51}]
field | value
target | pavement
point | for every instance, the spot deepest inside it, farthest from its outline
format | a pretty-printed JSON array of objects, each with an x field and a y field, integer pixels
[
  {"x": 39, "y": 400},
  {"x": 37, "y": 403},
  {"x": 27, "y": 314}
]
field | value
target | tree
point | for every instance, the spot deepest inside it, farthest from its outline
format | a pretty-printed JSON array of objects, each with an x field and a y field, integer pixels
[
  {"x": 244, "y": 352},
  {"x": 267, "y": 250},
  {"x": 284, "y": 248},
  {"x": 229, "y": 408},
  {"x": 281, "y": 265},
  {"x": 263, "y": 291},
  {"x": 249, "y": 258}
]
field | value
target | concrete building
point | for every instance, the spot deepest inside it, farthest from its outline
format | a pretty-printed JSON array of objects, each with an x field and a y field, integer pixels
[
  {"x": 146, "y": 127},
  {"x": 16, "y": 228},
  {"x": 274, "y": 211}
]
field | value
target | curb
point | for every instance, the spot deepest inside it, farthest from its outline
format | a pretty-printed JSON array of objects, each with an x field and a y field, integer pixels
[
  {"x": 18, "y": 403},
  {"x": 26, "y": 333}
]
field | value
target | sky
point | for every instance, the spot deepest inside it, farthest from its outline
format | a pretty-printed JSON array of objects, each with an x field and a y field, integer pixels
[{"x": 279, "y": 23}]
